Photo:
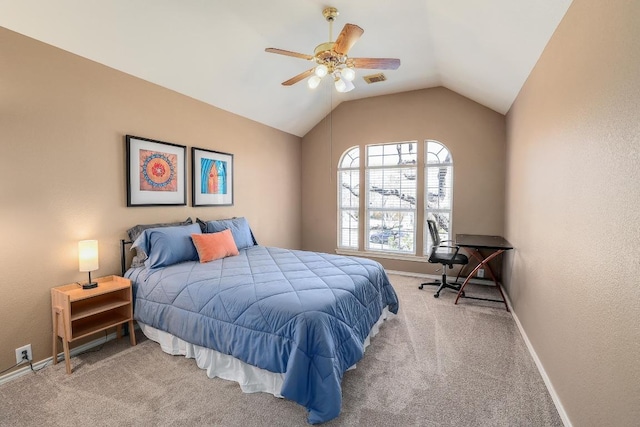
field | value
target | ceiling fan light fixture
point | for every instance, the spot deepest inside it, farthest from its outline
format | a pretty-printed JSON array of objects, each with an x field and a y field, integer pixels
[
  {"x": 348, "y": 74},
  {"x": 313, "y": 82},
  {"x": 332, "y": 58},
  {"x": 321, "y": 70},
  {"x": 343, "y": 85},
  {"x": 349, "y": 86}
]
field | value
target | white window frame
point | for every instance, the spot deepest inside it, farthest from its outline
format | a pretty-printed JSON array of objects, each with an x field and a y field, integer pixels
[
  {"x": 414, "y": 211},
  {"x": 362, "y": 244},
  {"x": 432, "y": 212},
  {"x": 354, "y": 154}
]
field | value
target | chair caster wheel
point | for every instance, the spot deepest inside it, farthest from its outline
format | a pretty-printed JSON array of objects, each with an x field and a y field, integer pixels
[
  {"x": 436, "y": 295},
  {"x": 421, "y": 286}
]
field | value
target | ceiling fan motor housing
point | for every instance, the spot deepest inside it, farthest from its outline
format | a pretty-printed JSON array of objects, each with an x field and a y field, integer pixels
[{"x": 330, "y": 13}]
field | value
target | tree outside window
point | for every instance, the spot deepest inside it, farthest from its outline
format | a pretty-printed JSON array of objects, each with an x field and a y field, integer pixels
[
  {"x": 438, "y": 191},
  {"x": 391, "y": 197}
]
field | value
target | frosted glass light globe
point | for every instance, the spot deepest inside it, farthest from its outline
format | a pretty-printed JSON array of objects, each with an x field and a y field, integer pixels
[
  {"x": 321, "y": 70},
  {"x": 348, "y": 74}
]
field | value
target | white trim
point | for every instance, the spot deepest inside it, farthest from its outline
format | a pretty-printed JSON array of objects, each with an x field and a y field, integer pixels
[
  {"x": 547, "y": 381},
  {"x": 384, "y": 255},
  {"x": 41, "y": 364},
  {"x": 426, "y": 247}
]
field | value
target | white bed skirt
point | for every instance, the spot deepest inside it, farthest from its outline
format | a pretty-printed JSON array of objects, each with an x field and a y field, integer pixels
[{"x": 251, "y": 378}]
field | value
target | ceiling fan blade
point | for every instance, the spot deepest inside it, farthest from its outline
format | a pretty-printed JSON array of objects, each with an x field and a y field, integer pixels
[
  {"x": 296, "y": 79},
  {"x": 347, "y": 38},
  {"x": 375, "y": 63},
  {"x": 288, "y": 53}
]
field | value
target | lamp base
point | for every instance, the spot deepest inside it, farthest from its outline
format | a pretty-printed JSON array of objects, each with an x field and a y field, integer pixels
[{"x": 90, "y": 285}]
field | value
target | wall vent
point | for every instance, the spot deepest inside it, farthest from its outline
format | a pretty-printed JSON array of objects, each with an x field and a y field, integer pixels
[{"x": 374, "y": 78}]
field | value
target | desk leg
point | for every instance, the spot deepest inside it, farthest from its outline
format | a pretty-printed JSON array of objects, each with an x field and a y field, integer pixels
[
  {"x": 484, "y": 263},
  {"x": 460, "y": 291},
  {"x": 477, "y": 255}
]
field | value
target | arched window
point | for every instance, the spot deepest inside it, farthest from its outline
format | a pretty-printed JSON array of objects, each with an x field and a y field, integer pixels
[
  {"x": 349, "y": 198},
  {"x": 438, "y": 174},
  {"x": 389, "y": 209}
]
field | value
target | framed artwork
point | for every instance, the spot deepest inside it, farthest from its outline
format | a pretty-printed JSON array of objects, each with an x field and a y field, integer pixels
[
  {"x": 156, "y": 172},
  {"x": 212, "y": 178}
]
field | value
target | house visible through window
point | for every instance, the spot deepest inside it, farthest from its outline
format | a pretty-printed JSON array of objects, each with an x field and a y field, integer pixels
[
  {"x": 391, "y": 200},
  {"x": 438, "y": 175}
]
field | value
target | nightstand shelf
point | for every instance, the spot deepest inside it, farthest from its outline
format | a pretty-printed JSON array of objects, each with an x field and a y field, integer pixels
[
  {"x": 78, "y": 313},
  {"x": 96, "y": 323},
  {"x": 93, "y": 309}
]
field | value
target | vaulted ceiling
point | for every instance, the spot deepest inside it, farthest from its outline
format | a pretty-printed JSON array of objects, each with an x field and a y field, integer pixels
[{"x": 214, "y": 51}]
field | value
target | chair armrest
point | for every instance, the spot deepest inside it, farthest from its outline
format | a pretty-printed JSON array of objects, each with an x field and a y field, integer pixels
[{"x": 457, "y": 248}]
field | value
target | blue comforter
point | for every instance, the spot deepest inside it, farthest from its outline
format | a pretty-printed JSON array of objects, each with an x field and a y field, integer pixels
[{"x": 304, "y": 314}]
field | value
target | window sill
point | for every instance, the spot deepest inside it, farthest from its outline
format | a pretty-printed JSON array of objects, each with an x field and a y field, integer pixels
[{"x": 383, "y": 255}]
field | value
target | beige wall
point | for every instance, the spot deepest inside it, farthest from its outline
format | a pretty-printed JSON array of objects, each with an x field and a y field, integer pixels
[
  {"x": 62, "y": 125},
  {"x": 474, "y": 134},
  {"x": 573, "y": 211}
]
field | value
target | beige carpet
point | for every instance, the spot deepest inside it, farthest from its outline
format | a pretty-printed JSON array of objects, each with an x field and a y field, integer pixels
[{"x": 435, "y": 364}]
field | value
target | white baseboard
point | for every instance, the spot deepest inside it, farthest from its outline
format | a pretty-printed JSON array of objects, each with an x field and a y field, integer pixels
[
  {"x": 41, "y": 364},
  {"x": 552, "y": 391},
  {"x": 547, "y": 381}
]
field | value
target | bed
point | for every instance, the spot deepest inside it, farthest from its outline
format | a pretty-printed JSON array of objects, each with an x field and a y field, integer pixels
[{"x": 283, "y": 321}]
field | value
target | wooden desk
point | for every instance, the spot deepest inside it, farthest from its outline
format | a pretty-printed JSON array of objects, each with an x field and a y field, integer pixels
[{"x": 495, "y": 246}]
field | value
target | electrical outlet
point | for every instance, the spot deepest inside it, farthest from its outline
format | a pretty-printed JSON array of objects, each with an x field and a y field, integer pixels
[
  {"x": 481, "y": 273},
  {"x": 20, "y": 351}
]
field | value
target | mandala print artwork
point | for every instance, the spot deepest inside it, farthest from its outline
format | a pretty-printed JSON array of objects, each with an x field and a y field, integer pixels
[{"x": 158, "y": 171}]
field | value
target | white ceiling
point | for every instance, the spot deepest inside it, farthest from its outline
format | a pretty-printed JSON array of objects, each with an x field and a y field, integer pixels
[{"x": 214, "y": 50}]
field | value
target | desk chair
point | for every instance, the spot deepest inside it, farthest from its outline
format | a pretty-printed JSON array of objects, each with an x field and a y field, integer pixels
[{"x": 447, "y": 256}]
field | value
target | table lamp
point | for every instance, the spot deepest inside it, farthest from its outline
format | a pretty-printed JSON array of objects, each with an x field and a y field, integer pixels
[{"x": 88, "y": 259}]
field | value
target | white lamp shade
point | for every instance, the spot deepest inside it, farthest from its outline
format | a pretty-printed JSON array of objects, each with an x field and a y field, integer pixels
[
  {"x": 313, "y": 82},
  {"x": 321, "y": 70},
  {"x": 343, "y": 85},
  {"x": 348, "y": 74},
  {"x": 88, "y": 255}
]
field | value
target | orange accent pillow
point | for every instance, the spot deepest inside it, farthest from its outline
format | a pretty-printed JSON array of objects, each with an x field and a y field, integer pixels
[{"x": 211, "y": 246}]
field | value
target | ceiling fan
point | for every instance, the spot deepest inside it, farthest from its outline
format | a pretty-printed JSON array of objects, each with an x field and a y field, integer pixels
[{"x": 331, "y": 58}]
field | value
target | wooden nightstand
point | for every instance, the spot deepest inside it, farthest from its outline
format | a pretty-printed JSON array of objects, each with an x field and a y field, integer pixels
[{"x": 78, "y": 312}]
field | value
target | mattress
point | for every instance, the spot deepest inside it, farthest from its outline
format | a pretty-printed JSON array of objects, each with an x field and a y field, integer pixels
[{"x": 304, "y": 315}]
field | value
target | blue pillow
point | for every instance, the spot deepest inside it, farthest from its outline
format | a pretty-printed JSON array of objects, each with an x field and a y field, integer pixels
[
  {"x": 168, "y": 245},
  {"x": 239, "y": 227},
  {"x": 140, "y": 257}
]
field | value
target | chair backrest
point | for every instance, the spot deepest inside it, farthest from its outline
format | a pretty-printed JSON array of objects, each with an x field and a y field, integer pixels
[{"x": 433, "y": 230}]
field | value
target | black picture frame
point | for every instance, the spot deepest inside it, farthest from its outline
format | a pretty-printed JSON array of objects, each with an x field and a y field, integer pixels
[
  {"x": 217, "y": 190},
  {"x": 156, "y": 172}
]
